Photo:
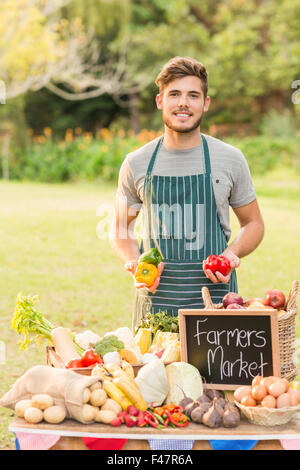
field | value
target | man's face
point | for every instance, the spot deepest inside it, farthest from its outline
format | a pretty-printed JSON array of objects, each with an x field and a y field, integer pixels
[{"x": 182, "y": 103}]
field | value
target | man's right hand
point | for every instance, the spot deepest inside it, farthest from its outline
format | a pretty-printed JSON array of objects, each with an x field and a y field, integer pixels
[{"x": 131, "y": 267}]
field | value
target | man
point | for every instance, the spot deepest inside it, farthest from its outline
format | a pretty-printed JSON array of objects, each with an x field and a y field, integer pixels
[{"x": 185, "y": 182}]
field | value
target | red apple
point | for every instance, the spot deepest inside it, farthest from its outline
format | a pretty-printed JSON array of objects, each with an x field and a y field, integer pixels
[
  {"x": 235, "y": 307},
  {"x": 232, "y": 298},
  {"x": 275, "y": 298}
]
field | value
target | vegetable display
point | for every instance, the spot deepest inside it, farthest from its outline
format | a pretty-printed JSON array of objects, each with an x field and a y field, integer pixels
[
  {"x": 183, "y": 379},
  {"x": 162, "y": 391},
  {"x": 160, "y": 321},
  {"x": 28, "y": 320},
  {"x": 108, "y": 344},
  {"x": 152, "y": 382},
  {"x": 40, "y": 407},
  {"x": 273, "y": 299},
  {"x": 269, "y": 392},
  {"x": 211, "y": 409}
]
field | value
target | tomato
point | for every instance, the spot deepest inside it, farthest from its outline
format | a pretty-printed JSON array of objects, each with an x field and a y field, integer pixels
[
  {"x": 90, "y": 357},
  {"x": 74, "y": 364},
  {"x": 217, "y": 263}
]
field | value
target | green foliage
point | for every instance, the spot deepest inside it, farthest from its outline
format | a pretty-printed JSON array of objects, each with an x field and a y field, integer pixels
[
  {"x": 276, "y": 124},
  {"x": 87, "y": 158},
  {"x": 160, "y": 321},
  {"x": 264, "y": 153}
]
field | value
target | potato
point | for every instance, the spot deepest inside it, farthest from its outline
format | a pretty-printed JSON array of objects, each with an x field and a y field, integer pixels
[
  {"x": 96, "y": 386},
  {"x": 105, "y": 416},
  {"x": 42, "y": 401},
  {"x": 21, "y": 407},
  {"x": 89, "y": 412},
  {"x": 86, "y": 395},
  {"x": 33, "y": 415},
  {"x": 98, "y": 397},
  {"x": 55, "y": 414},
  {"x": 112, "y": 405}
]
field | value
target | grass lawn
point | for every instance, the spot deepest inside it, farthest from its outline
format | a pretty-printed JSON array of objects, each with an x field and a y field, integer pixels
[{"x": 50, "y": 247}]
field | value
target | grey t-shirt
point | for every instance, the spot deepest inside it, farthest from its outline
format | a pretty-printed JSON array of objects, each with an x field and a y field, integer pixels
[{"x": 231, "y": 177}]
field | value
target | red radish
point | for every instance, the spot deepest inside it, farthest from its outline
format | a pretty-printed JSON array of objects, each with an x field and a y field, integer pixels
[
  {"x": 122, "y": 415},
  {"x": 116, "y": 422},
  {"x": 141, "y": 419},
  {"x": 130, "y": 421},
  {"x": 132, "y": 410}
]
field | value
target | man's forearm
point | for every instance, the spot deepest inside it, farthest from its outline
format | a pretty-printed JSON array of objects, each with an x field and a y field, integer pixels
[
  {"x": 248, "y": 239},
  {"x": 126, "y": 250}
]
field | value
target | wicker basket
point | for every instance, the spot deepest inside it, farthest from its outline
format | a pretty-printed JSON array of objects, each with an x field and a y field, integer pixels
[
  {"x": 268, "y": 416},
  {"x": 286, "y": 331}
]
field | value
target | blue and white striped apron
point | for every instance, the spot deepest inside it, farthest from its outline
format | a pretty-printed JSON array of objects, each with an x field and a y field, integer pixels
[{"x": 181, "y": 218}]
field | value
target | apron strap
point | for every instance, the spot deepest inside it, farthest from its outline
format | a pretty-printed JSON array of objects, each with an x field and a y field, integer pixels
[
  {"x": 207, "y": 167},
  {"x": 152, "y": 161}
]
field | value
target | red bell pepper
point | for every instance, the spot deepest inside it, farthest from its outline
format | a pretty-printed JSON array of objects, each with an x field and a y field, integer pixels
[
  {"x": 74, "y": 364},
  {"x": 90, "y": 357},
  {"x": 175, "y": 422},
  {"x": 217, "y": 263}
]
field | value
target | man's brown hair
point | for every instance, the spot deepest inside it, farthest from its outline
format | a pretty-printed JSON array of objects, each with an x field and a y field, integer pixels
[{"x": 179, "y": 67}]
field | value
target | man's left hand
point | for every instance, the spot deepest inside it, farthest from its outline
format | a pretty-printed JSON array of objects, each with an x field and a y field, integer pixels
[{"x": 217, "y": 276}]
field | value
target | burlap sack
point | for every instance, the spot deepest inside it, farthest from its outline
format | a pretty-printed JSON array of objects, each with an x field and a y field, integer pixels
[{"x": 65, "y": 386}]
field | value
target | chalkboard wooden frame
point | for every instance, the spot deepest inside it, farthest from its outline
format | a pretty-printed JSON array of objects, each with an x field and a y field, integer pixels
[{"x": 184, "y": 313}]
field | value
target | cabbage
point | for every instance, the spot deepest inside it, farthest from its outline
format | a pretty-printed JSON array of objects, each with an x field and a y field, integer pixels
[{"x": 184, "y": 380}]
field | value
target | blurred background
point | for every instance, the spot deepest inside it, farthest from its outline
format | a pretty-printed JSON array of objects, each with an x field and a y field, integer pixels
[
  {"x": 77, "y": 94},
  {"x": 79, "y": 78}
]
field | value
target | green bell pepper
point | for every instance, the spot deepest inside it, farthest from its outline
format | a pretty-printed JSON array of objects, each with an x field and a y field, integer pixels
[{"x": 152, "y": 256}]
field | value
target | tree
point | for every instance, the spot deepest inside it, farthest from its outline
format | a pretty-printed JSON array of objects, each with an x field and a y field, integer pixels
[{"x": 39, "y": 48}]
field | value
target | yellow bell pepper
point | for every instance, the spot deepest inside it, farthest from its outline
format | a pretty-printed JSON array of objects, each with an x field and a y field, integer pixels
[{"x": 146, "y": 273}]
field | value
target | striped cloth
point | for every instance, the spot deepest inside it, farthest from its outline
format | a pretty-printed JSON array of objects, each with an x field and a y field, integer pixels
[
  {"x": 170, "y": 444},
  {"x": 31, "y": 441}
]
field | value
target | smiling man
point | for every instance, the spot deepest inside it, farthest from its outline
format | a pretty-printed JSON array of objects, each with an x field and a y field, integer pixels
[{"x": 186, "y": 182}]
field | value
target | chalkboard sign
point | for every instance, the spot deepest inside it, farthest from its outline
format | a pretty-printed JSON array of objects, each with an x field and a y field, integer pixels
[{"x": 230, "y": 347}]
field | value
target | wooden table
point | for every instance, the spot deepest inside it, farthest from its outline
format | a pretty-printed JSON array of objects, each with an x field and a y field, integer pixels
[{"x": 71, "y": 433}]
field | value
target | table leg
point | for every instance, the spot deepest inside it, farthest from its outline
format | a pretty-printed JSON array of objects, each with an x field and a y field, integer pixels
[
  {"x": 136, "y": 444},
  {"x": 202, "y": 445},
  {"x": 69, "y": 443},
  {"x": 268, "y": 445}
]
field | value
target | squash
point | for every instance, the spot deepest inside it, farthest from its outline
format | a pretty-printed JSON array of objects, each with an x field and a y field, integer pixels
[
  {"x": 153, "y": 383},
  {"x": 172, "y": 352},
  {"x": 143, "y": 339},
  {"x": 129, "y": 356},
  {"x": 163, "y": 338}
]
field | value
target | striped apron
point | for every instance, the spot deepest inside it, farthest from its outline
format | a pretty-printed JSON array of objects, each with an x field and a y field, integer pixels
[{"x": 182, "y": 220}]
